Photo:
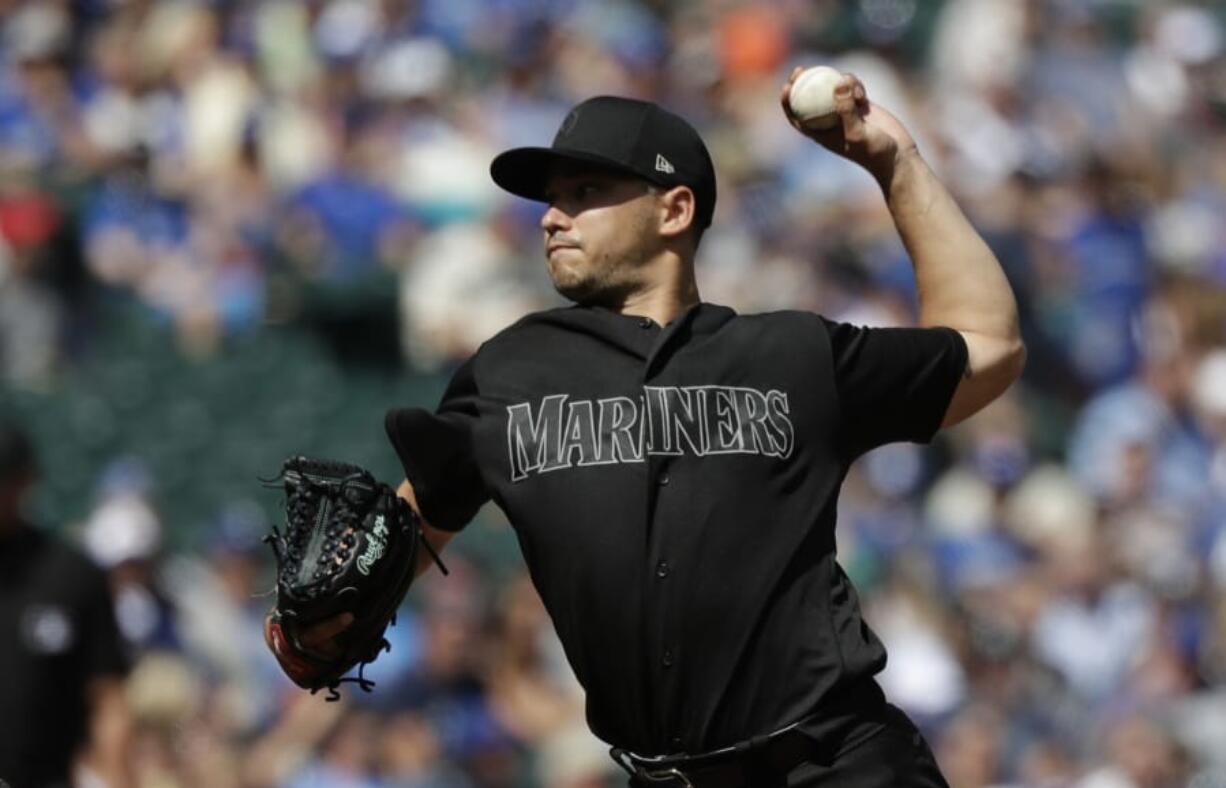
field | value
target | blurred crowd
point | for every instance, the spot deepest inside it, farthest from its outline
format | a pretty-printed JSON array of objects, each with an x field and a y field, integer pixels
[{"x": 1049, "y": 579}]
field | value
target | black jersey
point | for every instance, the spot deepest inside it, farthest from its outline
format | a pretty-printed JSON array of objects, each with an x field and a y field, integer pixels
[
  {"x": 57, "y": 632},
  {"x": 674, "y": 490}
]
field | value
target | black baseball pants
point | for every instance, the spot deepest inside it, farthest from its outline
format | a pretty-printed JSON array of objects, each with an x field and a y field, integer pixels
[{"x": 896, "y": 756}]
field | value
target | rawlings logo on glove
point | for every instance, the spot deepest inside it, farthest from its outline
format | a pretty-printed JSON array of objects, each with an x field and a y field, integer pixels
[{"x": 376, "y": 547}]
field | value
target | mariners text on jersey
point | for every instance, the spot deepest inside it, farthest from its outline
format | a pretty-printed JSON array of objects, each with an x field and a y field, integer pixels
[{"x": 700, "y": 420}]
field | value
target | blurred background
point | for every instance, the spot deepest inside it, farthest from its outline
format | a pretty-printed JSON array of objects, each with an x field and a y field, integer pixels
[{"x": 231, "y": 231}]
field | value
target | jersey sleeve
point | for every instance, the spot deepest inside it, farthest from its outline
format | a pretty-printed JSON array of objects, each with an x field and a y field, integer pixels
[
  {"x": 893, "y": 384},
  {"x": 438, "y": 452}
]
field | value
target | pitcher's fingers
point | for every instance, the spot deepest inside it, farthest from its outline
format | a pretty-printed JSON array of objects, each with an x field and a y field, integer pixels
[
  {"x": 849, "y": 107},
  {"x": 860, "y": 95},
  {"x": 853, "y": 82}
]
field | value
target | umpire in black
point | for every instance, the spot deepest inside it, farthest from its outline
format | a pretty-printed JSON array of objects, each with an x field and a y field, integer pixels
[
  {"x": 672, "y": 468},
  {"x": 62, "y": 701}
]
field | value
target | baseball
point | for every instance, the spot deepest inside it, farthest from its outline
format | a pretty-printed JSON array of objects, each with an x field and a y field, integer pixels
[{"x": 812, "y": 97}]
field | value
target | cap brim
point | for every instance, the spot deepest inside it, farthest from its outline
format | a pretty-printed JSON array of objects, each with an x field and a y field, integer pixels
[{"x": 525, "y": 171}]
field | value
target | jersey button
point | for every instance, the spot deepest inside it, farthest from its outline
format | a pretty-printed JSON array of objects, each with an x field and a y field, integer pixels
[
  {"x": 662, "y": 569},
  {"x": 667, "y": 659},
  {"x": 645, "y": 323},
  {"x": 663, "y": 480}
]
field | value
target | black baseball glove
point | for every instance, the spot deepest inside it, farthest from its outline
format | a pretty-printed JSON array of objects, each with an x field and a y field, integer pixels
[{"x": 350, "y": 545}]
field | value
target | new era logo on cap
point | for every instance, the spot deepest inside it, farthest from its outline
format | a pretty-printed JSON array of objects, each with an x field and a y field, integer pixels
[{"x": 664, "y": 165}]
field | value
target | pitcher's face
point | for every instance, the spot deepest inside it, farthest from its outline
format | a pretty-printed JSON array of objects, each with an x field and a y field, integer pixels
[{"x": 600, "y": 228}]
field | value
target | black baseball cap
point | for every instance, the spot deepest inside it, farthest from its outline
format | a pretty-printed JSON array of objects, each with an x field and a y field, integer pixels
[{"x": 636, "y": 137}]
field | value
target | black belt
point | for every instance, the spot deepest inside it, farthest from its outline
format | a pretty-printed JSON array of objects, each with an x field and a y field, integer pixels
[{"x": 747, "y": 763}]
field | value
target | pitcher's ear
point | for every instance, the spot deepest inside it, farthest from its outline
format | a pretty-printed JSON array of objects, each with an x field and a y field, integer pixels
[{"x": 678, "y": 207}]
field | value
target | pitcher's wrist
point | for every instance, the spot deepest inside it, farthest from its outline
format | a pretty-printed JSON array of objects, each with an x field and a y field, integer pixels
[{"x": 900, "y": 175}]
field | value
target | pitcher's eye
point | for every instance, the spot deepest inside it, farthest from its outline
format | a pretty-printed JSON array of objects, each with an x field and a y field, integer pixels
[{"x": 577, "y": 193}]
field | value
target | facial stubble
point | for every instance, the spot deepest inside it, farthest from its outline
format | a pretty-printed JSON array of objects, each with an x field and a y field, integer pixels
[{"x": 612, "y": 275}]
